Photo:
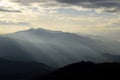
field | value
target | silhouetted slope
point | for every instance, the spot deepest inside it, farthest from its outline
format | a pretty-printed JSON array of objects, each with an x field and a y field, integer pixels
[
  {"x": 10, "y": 70},
  {"x": 86, "y": 71}
]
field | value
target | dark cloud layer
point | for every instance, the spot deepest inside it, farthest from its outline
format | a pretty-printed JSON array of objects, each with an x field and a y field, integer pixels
[
  {"x": 108, "y": 5},
  {"x": 27, "y": 2},
  {"x": 6, "y": 10}
]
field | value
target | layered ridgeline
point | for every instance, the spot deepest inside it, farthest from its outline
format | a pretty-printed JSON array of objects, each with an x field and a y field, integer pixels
[
  {"x": 56, "y": 48},
  {"x": 14, "y": 70}
]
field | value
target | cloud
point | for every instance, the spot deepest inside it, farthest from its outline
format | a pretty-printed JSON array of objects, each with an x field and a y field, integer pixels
[
  {"x": 27, "y": 2},
  {"x": 4, "y": 22},
  {"x": 7, "y": 10},
  {"x": 108, "y": 5},
  {"x": 105, "y": 5}
]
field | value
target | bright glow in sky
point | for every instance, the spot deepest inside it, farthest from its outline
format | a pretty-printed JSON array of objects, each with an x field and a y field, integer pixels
[{"x": 84, "y": 16}]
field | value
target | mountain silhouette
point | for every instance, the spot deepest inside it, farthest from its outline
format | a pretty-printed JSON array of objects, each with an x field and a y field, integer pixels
[
  {"x": 55, "y": 48},
  {"x": 35, "y": 53},
  {"x": 11, "y": 70},
  {"x": 85, "y": 71}
]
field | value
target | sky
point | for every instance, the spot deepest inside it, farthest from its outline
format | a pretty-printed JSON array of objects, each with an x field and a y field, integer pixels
[{"x": 78, "y": 16}]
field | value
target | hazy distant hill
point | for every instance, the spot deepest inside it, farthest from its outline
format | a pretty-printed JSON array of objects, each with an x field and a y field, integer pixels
[
  {"x": 11, "y": 49},
  {"x": 55, "y": 48}
]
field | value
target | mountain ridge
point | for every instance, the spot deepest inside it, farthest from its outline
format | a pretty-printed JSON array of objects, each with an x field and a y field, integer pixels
[
  {"x": 85, "y": 70},
  {"x": 57, "y": 48},
  {"x": 14, "y": 70}
]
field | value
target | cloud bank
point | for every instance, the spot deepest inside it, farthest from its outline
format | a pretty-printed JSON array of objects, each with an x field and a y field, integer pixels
[{"x": 104, "y": 5}]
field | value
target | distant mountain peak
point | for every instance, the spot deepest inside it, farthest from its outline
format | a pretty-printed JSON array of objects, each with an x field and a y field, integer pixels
[{"x": 54, "y": 47}]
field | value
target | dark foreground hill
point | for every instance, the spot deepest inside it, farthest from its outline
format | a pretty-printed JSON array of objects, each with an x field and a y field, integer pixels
[
  {"x": 86, "y": 71},
  {"x": 10, "y": 70}
]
